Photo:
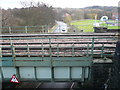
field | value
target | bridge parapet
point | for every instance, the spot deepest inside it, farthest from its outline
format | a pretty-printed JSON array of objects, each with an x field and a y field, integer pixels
[{"x": 53, "y": 58}]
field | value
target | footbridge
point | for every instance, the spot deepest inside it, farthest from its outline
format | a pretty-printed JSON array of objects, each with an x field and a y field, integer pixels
[{"x": 54, "y": 57}]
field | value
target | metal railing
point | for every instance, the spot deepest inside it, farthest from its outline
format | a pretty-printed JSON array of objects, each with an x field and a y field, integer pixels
[
  {"x": 58, "y": 47},
  {"x": 45, "y": 29},
  {"x": 25, "y": 29}
]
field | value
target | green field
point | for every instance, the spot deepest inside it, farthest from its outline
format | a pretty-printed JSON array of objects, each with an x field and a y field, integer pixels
[
  {"x": 113, "y": 27},
  {"x": 87, "y": 25}
]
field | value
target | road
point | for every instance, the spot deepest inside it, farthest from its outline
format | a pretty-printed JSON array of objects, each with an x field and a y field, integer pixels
[
  {"x": 61, "y": 27},
  {"x": 46, "y": 85},
  {"x": 64, "y": 85}
]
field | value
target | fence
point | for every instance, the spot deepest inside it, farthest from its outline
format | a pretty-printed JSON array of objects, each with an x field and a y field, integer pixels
[
  {"x": 25, "y": 29},
  {"x": 58, "y": 46}
]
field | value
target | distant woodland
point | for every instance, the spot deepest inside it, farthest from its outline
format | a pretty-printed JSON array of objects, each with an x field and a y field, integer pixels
[{"x": 34, "y": 14}]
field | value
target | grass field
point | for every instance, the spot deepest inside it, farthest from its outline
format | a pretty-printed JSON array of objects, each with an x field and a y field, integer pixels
[
  {"x": 113, "y": 27},
  {"x": 87, "y": 25}
]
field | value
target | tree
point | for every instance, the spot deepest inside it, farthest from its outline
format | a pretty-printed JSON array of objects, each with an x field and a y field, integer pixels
[
  {"x": 8, "y": 18},
  {"x": 0, "y": 17},
  {"x": 36, "y": 14}
]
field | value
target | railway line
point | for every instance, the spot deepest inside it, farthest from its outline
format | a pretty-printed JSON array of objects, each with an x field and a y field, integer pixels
[
  {"x": 61, "y": 34},
  {"x": 59, "y": 45}
]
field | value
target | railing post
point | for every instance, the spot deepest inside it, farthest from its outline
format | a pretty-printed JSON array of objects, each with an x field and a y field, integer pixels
[
  {"x": 48, "y": 27},
  {"x": 45, "y": 28},
  {"x": 13, "y": 51},
  {"x": 50, "y": 52},
  {"x": 26, "y": 29},
  {"x": 57, "y": 50},
  {"x": 10, "y": 31},
  {"x": 28, "y": 50},
  {"x": 73, "y": 50},
  {"x": 87, "y": 49},
  {"x": 42, "y": 50},
  {"x": 42, "y": 29},
  {"x": 51, "y": 61},
  {"x": 102, "y": 51},
  {"x": 92, "y": 48}
]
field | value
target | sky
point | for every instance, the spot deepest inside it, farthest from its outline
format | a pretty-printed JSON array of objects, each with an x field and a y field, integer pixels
[{"x": 60, "y": 3}]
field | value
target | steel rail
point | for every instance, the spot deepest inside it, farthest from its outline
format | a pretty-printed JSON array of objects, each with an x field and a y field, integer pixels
[{"x": 61, "y": 34}]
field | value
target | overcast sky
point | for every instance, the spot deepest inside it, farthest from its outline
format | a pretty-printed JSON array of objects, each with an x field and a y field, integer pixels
[{"x": 61, "y": 3}]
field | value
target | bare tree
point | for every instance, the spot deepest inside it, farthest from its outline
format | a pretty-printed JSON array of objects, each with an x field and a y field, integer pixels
[
  {"x": 35, "y": 14},
  {"x": 0, "y": 17},
  {"x": 8, "y": 18}
]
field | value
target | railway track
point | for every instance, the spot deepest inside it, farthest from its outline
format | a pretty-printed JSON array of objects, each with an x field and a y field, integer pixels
[
  {"x": 61, "y": 34},
  {"x": 54, "y": 44}
]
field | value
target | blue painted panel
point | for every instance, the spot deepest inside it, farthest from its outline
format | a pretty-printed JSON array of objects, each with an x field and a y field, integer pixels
[
  {"x": 32, "y": 61},
  {"x": 46, "y": 61},
  {"x": 76, "y": 72},
  {"x": 61, "y": 72},
  {"x": 7, "y": 61},
  {"x": 8, "y": 71},
  {"x": 27, "y": 72},
  {"x": 72, "y": 63},
  {"x": 72, "y": 58},
  {"x": 6, "y": 58},
  {"x": 43, "y": 72}
]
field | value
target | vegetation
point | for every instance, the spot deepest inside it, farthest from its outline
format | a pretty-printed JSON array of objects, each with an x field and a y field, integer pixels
[
  {"x": 87, "y": 13},
  {"x": 32, "y": 14},
  {"x": 87, "y": 25},
  {"x": 36, "y": 14}
]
